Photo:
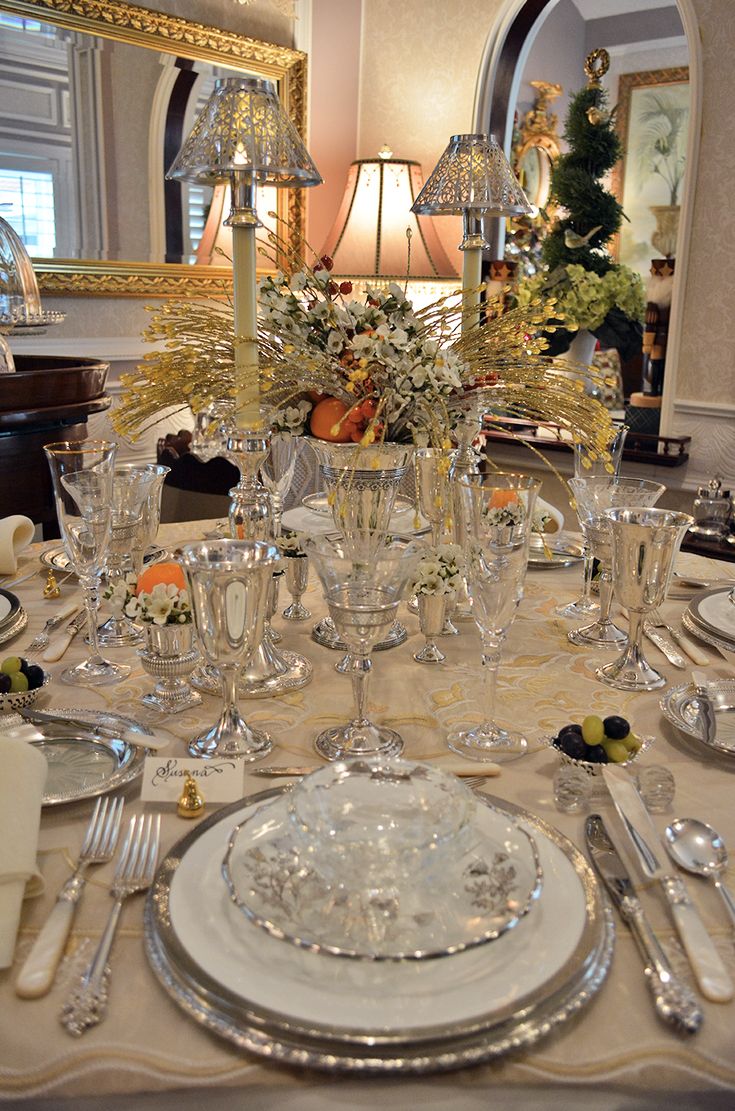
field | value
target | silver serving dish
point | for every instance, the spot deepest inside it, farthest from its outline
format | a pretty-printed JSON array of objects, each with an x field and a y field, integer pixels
[
  {"x": 561, "y": 553},
  {"x": 83, "y": 767},
  {"x": 58, "y": 561},
  {"x": 314, "y": 1010},
  {"x": 679, "y": 705}
]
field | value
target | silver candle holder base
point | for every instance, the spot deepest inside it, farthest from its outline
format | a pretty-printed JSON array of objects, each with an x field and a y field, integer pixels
[{"x": 172, "y": 693}]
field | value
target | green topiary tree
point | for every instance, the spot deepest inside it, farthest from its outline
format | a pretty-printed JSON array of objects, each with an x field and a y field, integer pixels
[{"x": 591, "y": 217}]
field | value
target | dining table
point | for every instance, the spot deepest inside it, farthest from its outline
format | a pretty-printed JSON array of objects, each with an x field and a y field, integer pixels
[{"x": 611, "y": 1051}]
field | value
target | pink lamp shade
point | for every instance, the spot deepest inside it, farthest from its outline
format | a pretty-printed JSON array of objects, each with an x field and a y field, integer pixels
[{"x": 368, "y": 238}]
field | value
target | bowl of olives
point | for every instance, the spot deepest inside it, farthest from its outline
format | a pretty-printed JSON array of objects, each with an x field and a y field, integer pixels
[
  {"x": 598, "y": 741},
  {"x": 20, "y": 683}
]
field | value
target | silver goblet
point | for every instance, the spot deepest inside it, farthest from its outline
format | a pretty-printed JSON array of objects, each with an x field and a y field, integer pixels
[
  {"x": 594, "y": 495},
  {"x": 228, "y": 583},
  {"x": 432, "y": 609},
  {"x": 297, "y": 579},
  {"x": 645, "y": 543}
]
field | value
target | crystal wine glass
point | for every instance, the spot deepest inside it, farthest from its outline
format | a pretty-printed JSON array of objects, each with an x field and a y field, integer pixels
[
  {"x": 132, "y": 485},
  {"x": 593, "y": 496},
  {"x": 644, "y": 547},
  {"x": 589, "y": 463},
  {"x": 82, "y": 476},
  {"x": 276, "y": 472},
  {"x": 499, "y": 514},
  {"x": 229, "y": 584},
  {"x": 362, "y": 597},
  {"x": 433, "y": 488}
]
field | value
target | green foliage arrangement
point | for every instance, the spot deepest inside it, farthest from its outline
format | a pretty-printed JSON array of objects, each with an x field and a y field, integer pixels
[{"x": 594, "y": 292}]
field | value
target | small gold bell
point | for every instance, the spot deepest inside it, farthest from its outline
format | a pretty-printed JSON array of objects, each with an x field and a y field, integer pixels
[
  {"x": 191, "y": 803},
  {"x": 52, "y": 588}
]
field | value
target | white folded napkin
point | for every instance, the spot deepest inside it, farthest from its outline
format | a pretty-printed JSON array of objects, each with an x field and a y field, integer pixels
[
  {"x": 16, "y": 533},
  {"x": 22, "y": 777}
]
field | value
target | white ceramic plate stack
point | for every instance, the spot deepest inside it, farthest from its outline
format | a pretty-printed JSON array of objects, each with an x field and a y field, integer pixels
[
  {"x": 13, "y": 618},
  {"x": 290, "y": 1000}
]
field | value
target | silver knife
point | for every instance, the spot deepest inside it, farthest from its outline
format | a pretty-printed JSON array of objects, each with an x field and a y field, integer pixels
[
  {"x": 710, "y": 972},
  {"x": 461, "y": 768},
  {"x": 62, "y": 724},
  {"x": 706, "y": 710},
  {"x": 665, "y": 646},
  {"x": 672, "y": 999}
]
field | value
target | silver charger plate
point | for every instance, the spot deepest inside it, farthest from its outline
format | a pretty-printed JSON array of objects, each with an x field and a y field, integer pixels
[
  {"x": 244, "y": 1010},
  {"x": 12, "y": 628},
  {"x": 9, "y": 608},
  {"x": 679, "y": 706},
  {"x": 712, "y": 611},
  {"x": 80, "y": 768},
  {"x": 562, "y": 553},
  {"x": 694, "y": 627},
  {"x": 57, "y": 560}
]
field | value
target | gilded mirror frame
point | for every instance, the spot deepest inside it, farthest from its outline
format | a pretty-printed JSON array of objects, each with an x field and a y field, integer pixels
[
  {"x": 114, "y": 19},
  {"x": 538, "y": 132}
]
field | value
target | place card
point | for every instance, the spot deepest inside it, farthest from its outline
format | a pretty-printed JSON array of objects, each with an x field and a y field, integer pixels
[{"x": 217, "y": 780}]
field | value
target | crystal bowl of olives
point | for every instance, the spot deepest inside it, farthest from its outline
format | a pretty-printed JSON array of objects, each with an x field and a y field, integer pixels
[
  {"x": 20, "y": 683},
  {"x": 598, "y": 741}
]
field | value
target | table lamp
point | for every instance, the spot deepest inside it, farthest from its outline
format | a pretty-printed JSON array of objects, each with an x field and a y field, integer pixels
[
  {"x": 243, "y": 137},
  {"x": 472, "y": 179}
]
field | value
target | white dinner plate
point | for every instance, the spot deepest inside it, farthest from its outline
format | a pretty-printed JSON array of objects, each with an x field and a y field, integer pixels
[
  {"x": 328, "y": 993},
  {"x": 714, "y": 612}
]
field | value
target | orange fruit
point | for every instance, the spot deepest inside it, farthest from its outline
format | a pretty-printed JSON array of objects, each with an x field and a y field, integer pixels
[
  {"x": 501, "y": 498},
  {"x": 161, "y": 573},
  {"x": 325, "y": 415}
]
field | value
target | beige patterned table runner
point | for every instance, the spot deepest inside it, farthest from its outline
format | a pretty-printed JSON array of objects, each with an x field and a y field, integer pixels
[{"x": 147, "y": 1044}]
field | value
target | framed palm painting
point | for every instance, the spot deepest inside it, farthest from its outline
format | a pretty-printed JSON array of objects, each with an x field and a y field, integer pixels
[{"x": 652, "y": 120}]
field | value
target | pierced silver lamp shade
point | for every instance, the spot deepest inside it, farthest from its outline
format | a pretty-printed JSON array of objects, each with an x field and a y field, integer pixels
[
  {"x": 243, "y": 128},
  {"x": 472, "y": 176}
]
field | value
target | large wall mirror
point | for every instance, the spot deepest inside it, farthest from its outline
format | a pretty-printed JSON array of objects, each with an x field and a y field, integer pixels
[
  {"x": 97, "y": 97},
  {"x": 653, "y": 83}
]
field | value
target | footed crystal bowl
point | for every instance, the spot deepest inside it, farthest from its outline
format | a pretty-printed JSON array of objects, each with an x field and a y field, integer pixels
[{"x": 382, "y": 859}]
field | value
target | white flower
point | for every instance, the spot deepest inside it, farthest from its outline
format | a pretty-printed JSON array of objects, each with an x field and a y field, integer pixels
[{"x": 159, "y": 607}]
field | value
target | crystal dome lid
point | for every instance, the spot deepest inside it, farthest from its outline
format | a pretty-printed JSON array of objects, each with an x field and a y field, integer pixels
[{"x": 20, "y": 301}]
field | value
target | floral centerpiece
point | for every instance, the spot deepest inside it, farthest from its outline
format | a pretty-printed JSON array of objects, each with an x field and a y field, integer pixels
[
  {"x": 158, "y": 597},
  {"x": 440, "y": 570}
]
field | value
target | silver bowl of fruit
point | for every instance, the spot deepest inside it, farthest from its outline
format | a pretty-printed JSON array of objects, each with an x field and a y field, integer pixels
[
  {"x": 598, "y": 741},
  {"x": 21, "y": 683}
]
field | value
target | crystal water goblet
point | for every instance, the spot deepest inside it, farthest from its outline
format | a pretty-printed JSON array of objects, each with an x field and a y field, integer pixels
[
  {"x": 362, "y": 597},
  {"x": 499, "y": 512},
  {"x": 229, "y": 584},
  {"x": 132, "y": 485},
  {"x": 277, "y": 470},
  {"x": 591, "y": 463},
  {"x": 593, "y": 496},
  {"x": 82, "y": 476},
  {"x": 644, "y": 546}
]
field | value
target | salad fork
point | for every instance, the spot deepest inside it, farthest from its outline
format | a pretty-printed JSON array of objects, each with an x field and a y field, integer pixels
[
  {"x": 694, "y": 653},
  {"x": 87, "y": 1004},
  {"x": 41, "y": 639},
  {"x": 37, "y": 974}
]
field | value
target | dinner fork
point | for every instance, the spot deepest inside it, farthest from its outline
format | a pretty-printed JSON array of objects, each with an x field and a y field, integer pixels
[
  {"x": 655, "y": 618},
  {"x": 100, "y": 841},
  {"x": 41, "y": 639},
  {"x": 87, "y": 1004}
]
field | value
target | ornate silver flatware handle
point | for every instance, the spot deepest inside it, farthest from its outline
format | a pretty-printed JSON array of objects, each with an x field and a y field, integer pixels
[
  {"x": 673, "y": 1000},
  {"x": 87, "y": 1003}
]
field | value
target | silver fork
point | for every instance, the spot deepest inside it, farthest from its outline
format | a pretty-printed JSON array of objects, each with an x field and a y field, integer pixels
[
  {"x": 37, "y": 974},
  {"x": 655, "y": 618},
  {"x": 41, "y": 639},
  {"x": 87, "y": 1004}
]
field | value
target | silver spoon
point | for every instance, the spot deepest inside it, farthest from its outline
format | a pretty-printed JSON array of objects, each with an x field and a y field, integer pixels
[{"x": 698, "y": 848}]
